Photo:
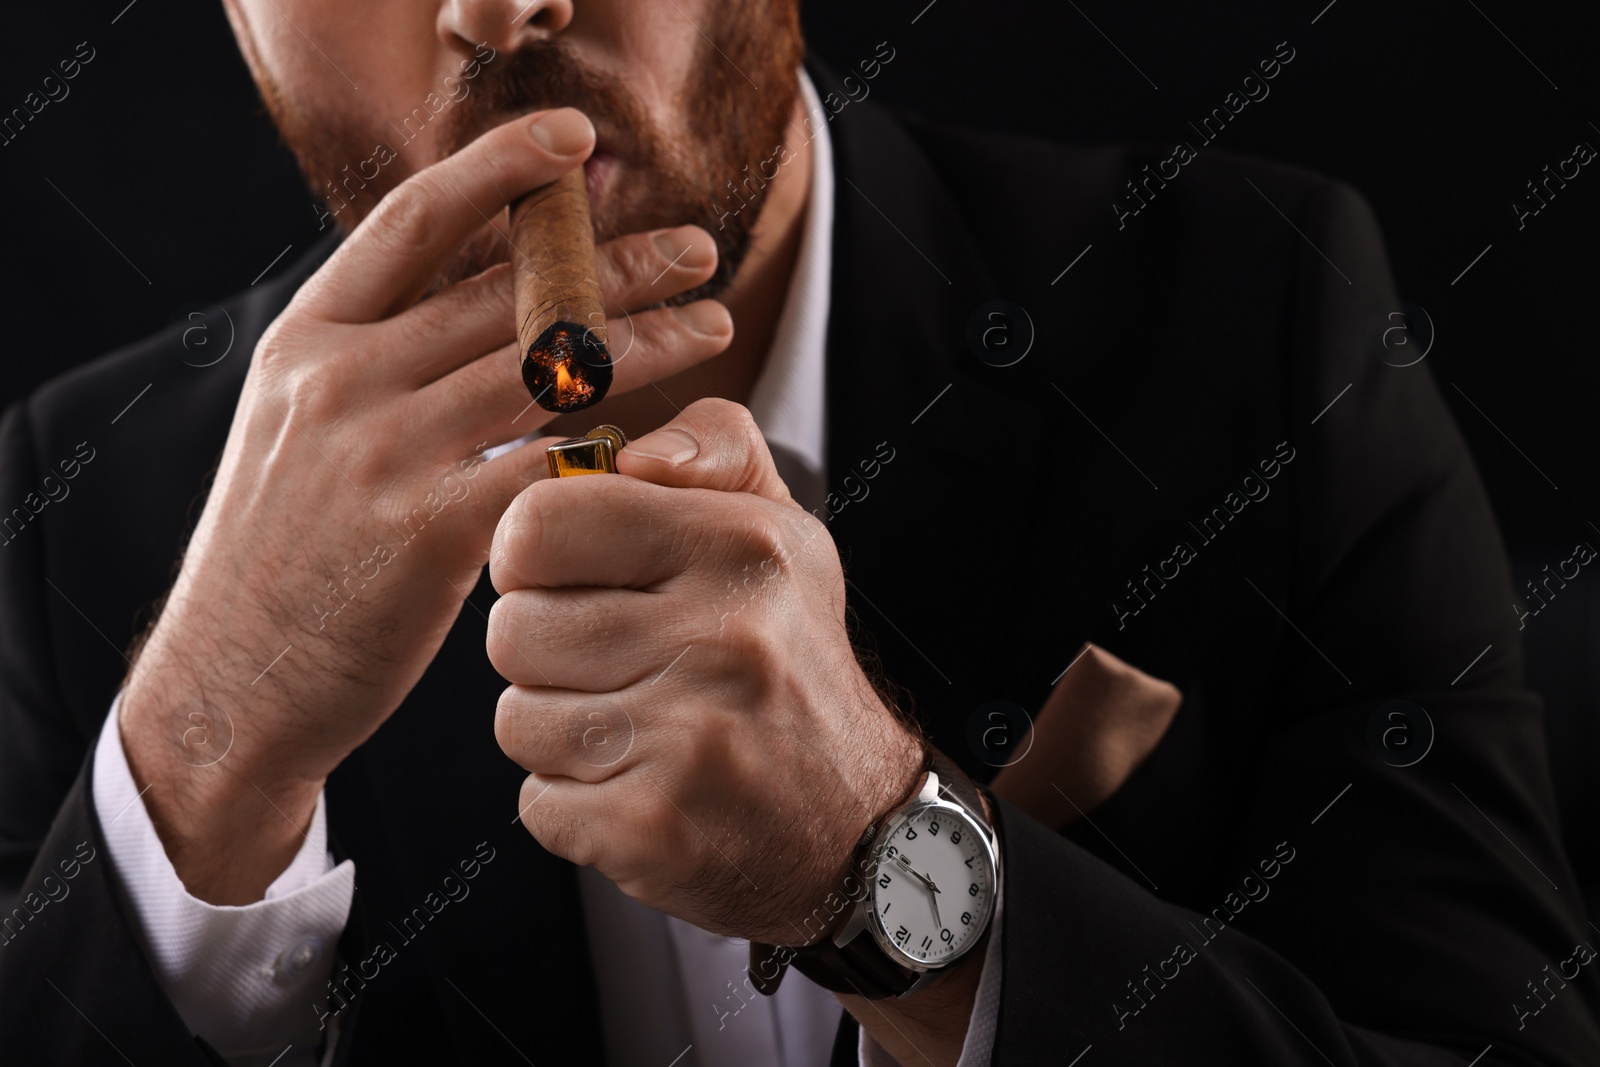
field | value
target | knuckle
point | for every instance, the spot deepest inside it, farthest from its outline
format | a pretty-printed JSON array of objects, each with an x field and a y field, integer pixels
[
  {"x": 637, "y": 259},
  {"x": 706, "y": 755},
  {"x": 404, "y": 218},
  {"x": 810, "y": 532},
  {"x": 495, "y": 291},
  {"x": 501, "y": 641},
  {"x": 277, "y": 344},
  {"x": 767, "y": 542},
  {"x": 519, "y": 540},
  {"x": 420, "y": 328},
  {"x": 487, "y": 296},
  {"x": 508, "y": 732},
  {"x": 746, "y": 657},
  {"x": 307, "y": 395},
  {"x": 735, "y": 438},
  {"x": 719, "y": 412},
  {"x": 567, "y": 834}
]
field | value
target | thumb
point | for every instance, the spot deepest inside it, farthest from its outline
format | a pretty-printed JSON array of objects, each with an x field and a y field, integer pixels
[{"x": 712, "y": 444}]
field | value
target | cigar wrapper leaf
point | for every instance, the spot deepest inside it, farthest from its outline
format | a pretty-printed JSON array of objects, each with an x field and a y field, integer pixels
[{"x": 560, "y": 314}]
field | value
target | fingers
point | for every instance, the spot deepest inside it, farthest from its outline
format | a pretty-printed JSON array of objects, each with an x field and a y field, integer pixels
[
  {"x": 712, "y": 444},
  {"x": 398, "y": 249},
  {"x": 555, "y": 731},
  {"x": 450, "y": 329},
  {"x": 630, "y": 533},
  {"x": 485, "y": 400},
  {"x": 454, "y": 327},
  {"x": 644, "y": 268},
  {"x": 594, "y": 640},
  {"x": 579, "y": 821},
  {"x": 617, "y": 533}
]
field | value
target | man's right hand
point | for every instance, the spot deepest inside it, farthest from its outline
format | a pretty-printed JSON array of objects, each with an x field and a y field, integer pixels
[{"x": 350, "y": 514}]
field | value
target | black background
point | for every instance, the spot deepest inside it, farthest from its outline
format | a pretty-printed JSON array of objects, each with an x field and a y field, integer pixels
[
  {"x": 158, "y": 186},
  {"x": 1433, "y": 112}
]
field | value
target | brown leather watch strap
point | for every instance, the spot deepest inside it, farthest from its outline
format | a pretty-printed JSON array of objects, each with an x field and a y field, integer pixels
[{"x": 860, "y": 967}]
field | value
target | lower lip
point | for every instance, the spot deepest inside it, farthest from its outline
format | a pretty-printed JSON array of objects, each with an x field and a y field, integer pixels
[{"x": 597, "y": 171}]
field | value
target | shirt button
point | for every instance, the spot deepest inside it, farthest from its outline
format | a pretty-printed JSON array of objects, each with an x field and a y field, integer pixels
[{"x": 294, "y": 960}]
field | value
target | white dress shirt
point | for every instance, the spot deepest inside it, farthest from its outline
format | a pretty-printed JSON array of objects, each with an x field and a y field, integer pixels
[{"x": 242, "y": 977}]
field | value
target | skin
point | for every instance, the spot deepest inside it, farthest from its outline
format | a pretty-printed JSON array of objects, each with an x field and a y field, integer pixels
[{"x": 383, "y": 345}]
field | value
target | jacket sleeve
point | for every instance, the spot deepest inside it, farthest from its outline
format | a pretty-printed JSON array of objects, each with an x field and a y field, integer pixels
[
  {"x": 1380, "y": 914},
  {"x": 74, "y": 985}
]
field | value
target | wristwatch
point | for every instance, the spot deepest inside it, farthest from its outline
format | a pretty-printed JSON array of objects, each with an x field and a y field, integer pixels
[{"x": 930, "y": 876}]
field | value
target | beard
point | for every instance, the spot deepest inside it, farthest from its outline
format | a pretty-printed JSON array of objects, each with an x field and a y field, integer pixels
[{"x": 657, "y": 181}]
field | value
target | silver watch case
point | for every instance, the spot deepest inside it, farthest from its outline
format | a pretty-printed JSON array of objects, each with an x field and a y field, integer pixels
[{"x": 864, "y": 915}]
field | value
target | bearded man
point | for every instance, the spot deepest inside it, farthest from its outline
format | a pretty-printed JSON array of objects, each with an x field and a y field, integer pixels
[{"x": 879, "y": 377}]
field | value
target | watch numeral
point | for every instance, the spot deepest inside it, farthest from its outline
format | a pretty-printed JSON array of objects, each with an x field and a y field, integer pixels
[
  {"x": 966, "y": 917},
  {"x": 946, "y": 935},
  {"x": 970, "y": 859},
  {"x": 955, "y": 837},
  {"x": 891, "y": 852},
  {"x": 972, "y": 890},
  {"x": 933, "y": 829},
  {"x": 901, "y": 934},
  {"x": 927, "y": 943},
  {"x": 883, "y": 883},
  {"x": 911, "y": 833}
]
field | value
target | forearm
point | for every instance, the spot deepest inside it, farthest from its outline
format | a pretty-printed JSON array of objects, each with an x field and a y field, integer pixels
[{"x": 229, "y": 820}]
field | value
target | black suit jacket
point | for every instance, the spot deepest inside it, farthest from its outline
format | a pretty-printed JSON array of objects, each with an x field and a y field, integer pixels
[{"x": 1263, "y": 890}]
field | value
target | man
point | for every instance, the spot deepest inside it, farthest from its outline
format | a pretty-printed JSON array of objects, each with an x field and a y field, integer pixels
[{"x": 1195, "y": 462}]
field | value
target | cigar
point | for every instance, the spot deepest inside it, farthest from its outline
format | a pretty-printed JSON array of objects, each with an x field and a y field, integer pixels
[{"x": 561, "y": 321}]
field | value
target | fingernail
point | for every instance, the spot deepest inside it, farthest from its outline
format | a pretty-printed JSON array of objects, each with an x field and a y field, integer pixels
[
  {"x": 705, "y": 317},
  {"x": 563, "y": 132},
  {"x": 678, "y": 246},
  {"x": 671, "y": 446}
]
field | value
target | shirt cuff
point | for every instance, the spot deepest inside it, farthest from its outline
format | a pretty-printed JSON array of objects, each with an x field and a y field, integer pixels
[
  {"x": 978, "y": 1048},
  {"x": 245, "y": 978}
]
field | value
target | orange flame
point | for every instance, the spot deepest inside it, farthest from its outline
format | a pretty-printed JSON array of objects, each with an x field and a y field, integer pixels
[{"x": 563, "y": 383}]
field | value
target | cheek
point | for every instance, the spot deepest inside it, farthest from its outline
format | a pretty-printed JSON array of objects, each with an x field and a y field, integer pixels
[{"x": 372, "y": 61}]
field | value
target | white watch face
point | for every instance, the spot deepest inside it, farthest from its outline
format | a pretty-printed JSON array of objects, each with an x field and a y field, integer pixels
[{"x": 934, "y": 886}]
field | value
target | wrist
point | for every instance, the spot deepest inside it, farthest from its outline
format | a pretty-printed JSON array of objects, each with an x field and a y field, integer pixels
[
  {"x": 895, "y": 781},
  {"x": 229, "y": 820}
]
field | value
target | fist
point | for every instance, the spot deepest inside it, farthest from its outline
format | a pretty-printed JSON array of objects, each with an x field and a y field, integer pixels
[{"x": 684, "y": 693}]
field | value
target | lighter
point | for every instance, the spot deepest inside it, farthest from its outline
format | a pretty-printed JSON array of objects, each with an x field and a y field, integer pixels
[{"x": 593, "y": 453}]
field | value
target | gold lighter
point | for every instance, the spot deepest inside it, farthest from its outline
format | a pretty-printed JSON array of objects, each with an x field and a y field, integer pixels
[{"x": 593, "y": 453}]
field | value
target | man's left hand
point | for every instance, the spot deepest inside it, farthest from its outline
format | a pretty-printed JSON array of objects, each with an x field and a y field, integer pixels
[{"x": 684, "y": 689}]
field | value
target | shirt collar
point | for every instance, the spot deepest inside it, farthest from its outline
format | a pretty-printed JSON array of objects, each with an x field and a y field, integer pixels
[{"x": 788, "y": 398}]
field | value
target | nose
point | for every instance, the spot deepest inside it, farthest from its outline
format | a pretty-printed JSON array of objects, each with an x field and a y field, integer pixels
[{"x": 504, "y": 25}]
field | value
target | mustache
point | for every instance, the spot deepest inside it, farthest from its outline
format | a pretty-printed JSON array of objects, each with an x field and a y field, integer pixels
[{"x": 547, "y": 75}]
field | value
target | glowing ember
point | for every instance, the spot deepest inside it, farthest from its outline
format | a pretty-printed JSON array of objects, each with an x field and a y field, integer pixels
[{"x": 567, "y": 368}]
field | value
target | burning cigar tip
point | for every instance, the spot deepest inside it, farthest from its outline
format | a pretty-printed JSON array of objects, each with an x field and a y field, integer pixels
[{"x": 567, "y": 367}]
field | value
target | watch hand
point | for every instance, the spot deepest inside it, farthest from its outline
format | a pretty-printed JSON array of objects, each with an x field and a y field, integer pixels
[
  {"x": 929, "y": 882},
  {"x": 904, "y": 863}
]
